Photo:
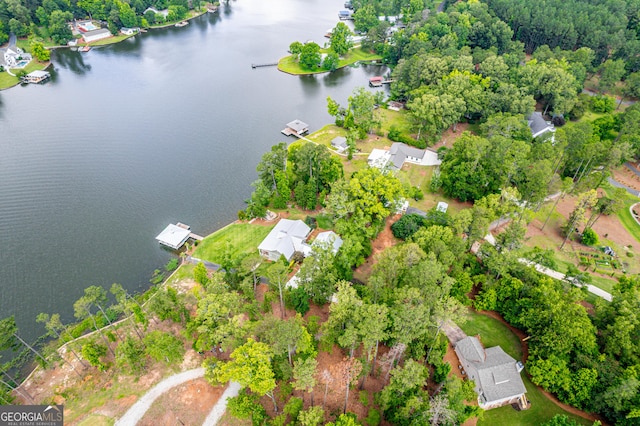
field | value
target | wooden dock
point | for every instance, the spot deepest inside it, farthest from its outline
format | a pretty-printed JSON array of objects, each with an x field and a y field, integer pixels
[
  {"x": 270, "y": 64},
  {"x": 196, "y": 237}
]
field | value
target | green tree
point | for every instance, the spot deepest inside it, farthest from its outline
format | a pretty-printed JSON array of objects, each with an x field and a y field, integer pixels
[
  {"x": 433, "y": 113},
  {"x": 219, "y": 321},
  {"x": 9, "y": 337},
  {"x": 54, "y": 325},
  {"x": 340, "y": 40},
  {"x": 277, "y": 275},
  {"x": 200, "y": 274},
  {"x": 313, "y": 416},
  {"x": 164, "y": 347},
  {"x": 331, "y": 61},
  {"x": 310, "y": 57},
  {"x": 318, "y": 274},
  {"x": 295, "y": 48},
  {"x": 39, "y": 52},
  {"x": 250, "y": 365},
  {"x": 304, "y": 375},
  {"x": 362, "y": 106},
  {"x": 92, "y": 352},
  {"x": 287, "y": 336},
  {"x": 611, "y": 72},
  {"x": 130, "y": 356},
  {"x": 58, "y": 28}
]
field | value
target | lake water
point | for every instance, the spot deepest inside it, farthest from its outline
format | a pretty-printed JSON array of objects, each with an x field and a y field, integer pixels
[{"x": 125, "y": 139}]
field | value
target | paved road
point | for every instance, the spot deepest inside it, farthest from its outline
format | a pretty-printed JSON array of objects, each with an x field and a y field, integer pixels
[
  {"x": 207, "y": 264},
  {"x": 619, "y": 185},
  {"x": 560, "y": 276},
  {"x": 218, "y": 410},
  {"x": 135, "y": 413}
]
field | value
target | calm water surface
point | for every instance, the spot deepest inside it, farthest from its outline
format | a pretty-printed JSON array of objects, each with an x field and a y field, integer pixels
[{"x": 125, "y": 139}]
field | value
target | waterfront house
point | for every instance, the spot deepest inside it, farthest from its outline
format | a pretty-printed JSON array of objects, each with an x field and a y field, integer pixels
[
  {"x": 339, "y": 143},
  {"x": 14, "y": 57},
  {"x": 496, "y": 374},
  {"x": 129, "y": 31},
  {"x": 286, "y": 238},
  {"x": 401, "y": 153},
  {"x": 95, "y": 35}
]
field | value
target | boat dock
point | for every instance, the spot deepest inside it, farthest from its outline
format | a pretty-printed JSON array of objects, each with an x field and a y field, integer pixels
[
  {"x": 36, "y": 77},
  {"x": 174, "y": 236},
  {"x": 191, "y": 234},
  {"x": 270, "y": 64},
  {"x": 379, "y": 81}
]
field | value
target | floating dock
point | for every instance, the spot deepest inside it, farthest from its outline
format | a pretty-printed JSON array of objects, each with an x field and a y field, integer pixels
[{"x": 36, "y": 77}]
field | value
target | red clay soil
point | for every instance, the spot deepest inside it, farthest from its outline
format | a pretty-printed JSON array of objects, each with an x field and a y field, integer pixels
[
  {"x": 187, "y": 404},
  {"x": 384, "y": 240},
  {"x": 607, "y": 227},
  {"x": 627, "y": 178}
]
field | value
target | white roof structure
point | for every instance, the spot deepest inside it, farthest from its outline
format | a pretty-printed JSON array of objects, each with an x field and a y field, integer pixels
[
  {"x": 378, "y": 158},
  {"x": 331, "y": 238},
  {"x": 442, "y": 206},
  {"x": 285, "y": 238},
  {"x": 174, "y": 236},
  {"x": 298, "y": 126}
]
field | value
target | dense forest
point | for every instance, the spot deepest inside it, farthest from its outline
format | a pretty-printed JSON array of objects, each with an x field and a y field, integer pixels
[{"x": 487, "y": 64}]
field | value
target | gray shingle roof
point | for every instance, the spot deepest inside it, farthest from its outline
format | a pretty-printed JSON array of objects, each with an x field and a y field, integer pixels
[
  {"x": 298, "y": 125},
  {"x": 538, "y": 124},
  {"x": 493, "y": 370},
  {"x": 400, "y": 151},
  {"x": 339, "y": 142}
]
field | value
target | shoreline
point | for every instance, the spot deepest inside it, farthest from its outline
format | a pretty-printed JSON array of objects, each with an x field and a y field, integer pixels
[{"x": 104, "y": 42}]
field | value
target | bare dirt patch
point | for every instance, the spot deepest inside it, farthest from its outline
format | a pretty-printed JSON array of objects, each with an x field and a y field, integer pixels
[
  {"x": 187, "y": 404},
  {"x": 449, "y": 136},
  {"x": 384, "y": 240}
]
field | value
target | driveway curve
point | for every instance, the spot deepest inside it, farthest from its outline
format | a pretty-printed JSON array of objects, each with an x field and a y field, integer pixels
[{"x": 137, "y": 410}]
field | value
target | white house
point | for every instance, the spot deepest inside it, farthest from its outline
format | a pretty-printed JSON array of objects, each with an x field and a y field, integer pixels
[
  {"x": 14, "y": 55},
  {"x": 129, "y": 31},
  {"x": 95, "y": 35},
  {"x": 495, "y": 373},
  {"x": 330, "y": 238},
  {"x": 286, "y": 238},
  {"x": 401, "y": 153}
]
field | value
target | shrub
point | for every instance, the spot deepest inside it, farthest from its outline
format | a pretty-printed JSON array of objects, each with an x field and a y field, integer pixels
[
  {"x": 172, "y": 265},
  {"x": 298, "y": 299},
  {"x": 364, "y": 398},
  {"x": 441, "y": 372},
  {"x": 406, "y": 226},
  {"x": 293, "y": 407},
  {"x": 589, "y": 237},
  {"x": 92, "y": 352},
  {"x": 373, "y": 417},
  {"x": 602, "y": 104}
]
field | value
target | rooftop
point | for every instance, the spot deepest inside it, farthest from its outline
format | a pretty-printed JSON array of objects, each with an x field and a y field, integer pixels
[{"x": 174, "y": 236}]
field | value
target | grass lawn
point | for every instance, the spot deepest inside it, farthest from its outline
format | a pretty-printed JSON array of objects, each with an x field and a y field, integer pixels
[
  {"x": 243, "y": 238},
  {"x": 290, "y": 65},
  {"x": 492, "y": 333},
  {"x": 7, "y": 80}
]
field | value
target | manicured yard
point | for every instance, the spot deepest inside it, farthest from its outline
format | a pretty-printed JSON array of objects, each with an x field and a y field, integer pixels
[
  {"x": 243, "y": 238},
  {"x": 492, "y": 333},
  {"x": 290, "y": 65},
  {"x": 7, "y": 80}
]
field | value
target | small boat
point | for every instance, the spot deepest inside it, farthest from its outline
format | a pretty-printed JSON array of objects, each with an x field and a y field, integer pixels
[
  {"x": 182, "y": 23},
  {"x": 85, "y": 49}
]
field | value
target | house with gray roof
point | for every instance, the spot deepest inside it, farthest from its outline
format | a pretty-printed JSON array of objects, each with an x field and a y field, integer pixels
[
  {"x": 495, "y": 373},
  {"x": 339, "y": 143},
  {"x": 538, "y": 125},
  {"x": 286, "y": 238},
  {"x": 401, "y": 153}
]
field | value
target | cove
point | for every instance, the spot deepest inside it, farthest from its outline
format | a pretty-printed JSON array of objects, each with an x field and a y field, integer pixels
[{"x": 164, "y": 127}]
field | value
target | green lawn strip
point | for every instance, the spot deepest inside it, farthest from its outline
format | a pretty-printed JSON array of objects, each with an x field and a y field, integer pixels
[
  {"x": 7, "y": 80},
  {"x": 494, "y": 333},
  {"x": 290, "y": 65},
  {"x": 244, "y": 238},
  {"x": 97, "y": 420},
  {"x": 628, "y": 221},
  {"x": 398, "y": 119},
  {"x": 184, "y": 272}
]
